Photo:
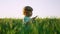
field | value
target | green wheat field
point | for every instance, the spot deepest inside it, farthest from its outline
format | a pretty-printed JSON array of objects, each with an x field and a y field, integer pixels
[{"x": 39, "y": 26}]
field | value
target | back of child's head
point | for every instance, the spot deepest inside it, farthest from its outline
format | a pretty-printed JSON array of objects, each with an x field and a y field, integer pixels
[{"x": 27, "y": 9}]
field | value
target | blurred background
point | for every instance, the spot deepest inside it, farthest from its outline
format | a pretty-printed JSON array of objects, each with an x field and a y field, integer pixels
[{"x": 42, "y": 8}]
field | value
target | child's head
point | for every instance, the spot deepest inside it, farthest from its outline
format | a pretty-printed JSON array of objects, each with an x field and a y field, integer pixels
[{"x": 27, "y": 11}]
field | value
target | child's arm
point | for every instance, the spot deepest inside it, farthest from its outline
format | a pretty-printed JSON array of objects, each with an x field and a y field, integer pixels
[{"x": 34, "y": 18}]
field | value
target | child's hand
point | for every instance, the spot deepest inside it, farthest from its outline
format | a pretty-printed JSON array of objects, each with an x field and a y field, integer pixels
[{"x": 34, "y": 17}]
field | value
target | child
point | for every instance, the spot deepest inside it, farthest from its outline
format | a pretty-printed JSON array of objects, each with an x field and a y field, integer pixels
[{"x": 27, "y": 11}]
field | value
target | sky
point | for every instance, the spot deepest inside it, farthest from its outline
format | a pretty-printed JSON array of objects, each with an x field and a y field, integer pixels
[{"x": 42, "y": 8}]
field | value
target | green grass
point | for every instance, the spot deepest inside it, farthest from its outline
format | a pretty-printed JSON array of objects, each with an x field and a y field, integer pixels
[{"x": 39, "y": 26}]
